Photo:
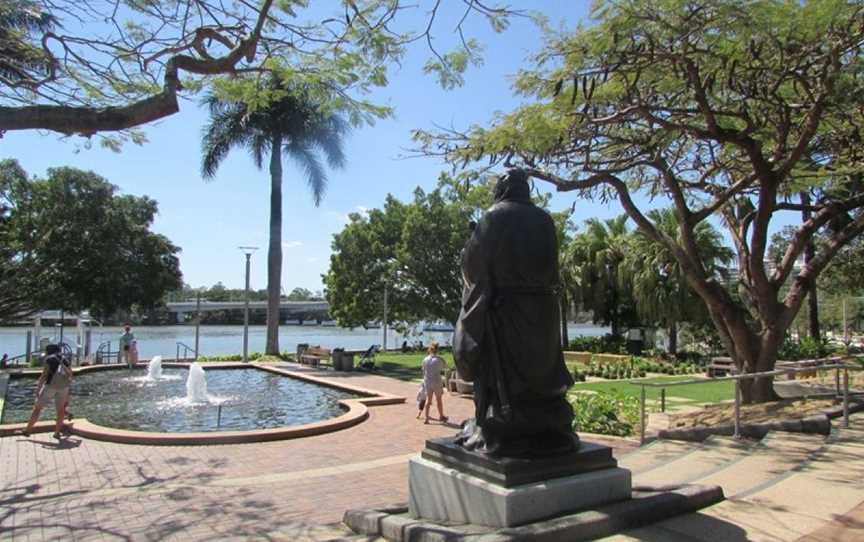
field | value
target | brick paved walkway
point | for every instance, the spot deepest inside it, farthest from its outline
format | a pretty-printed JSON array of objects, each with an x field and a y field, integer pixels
[{"x": 88, "y": 490}]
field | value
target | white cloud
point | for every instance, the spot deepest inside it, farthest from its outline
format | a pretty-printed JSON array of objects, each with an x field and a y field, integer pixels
[
  {"x": 363, "y": 210},
  {"x": 312, "y": 259},
  {"x": 341, "y": 218},
  {"x": 292, "y": 244}
]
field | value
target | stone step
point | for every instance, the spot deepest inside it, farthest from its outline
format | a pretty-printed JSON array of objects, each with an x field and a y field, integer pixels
[
  {"x": 654, "y": 454},
  {"x": 321, "y": 533},
  {"x": 710, "y": 456},
  {"x": 728, "y": 521},
  {"x": 789, "y": 487},
  {"x": 776, "y": 455}
]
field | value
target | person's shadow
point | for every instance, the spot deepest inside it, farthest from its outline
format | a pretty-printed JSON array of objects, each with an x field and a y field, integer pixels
[{"x": 65, "y": 443}]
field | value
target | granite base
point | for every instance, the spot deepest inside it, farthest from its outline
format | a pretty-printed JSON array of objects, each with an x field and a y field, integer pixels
[{"x": 441, "y": 493}]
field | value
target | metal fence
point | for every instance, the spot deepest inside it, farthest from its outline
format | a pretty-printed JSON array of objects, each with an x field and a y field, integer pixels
[{"x": 836, "y": 367}]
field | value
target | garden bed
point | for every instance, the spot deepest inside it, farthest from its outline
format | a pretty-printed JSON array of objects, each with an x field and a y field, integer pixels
[
  {"x": 791, "y": 415},
  {"x": 721, "y": 414}
]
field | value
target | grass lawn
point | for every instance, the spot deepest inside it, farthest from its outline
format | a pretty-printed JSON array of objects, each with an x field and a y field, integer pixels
[
  {"x": 404, "y": 366},
  {"x": 711, "y": 392},
  {"x": 407, "y": 367}
]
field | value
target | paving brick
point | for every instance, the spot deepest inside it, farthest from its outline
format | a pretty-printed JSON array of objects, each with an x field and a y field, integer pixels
[{"x": 109, "y": 491}]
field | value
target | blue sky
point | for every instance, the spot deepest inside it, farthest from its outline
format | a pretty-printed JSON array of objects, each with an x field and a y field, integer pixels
[{"x": 209, "y": 220}]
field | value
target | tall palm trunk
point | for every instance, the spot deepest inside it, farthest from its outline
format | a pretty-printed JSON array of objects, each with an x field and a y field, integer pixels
[{"x": 274, "y": 252}]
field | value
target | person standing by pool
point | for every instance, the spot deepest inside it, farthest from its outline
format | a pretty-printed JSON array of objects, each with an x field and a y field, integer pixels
[
  {"x": 126, "y": 340},
  {"x": 53, "y": 385},
  {"x": 433, "y": 384}
]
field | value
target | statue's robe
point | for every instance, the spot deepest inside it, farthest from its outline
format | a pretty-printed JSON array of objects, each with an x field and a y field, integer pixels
[{"x": 507, "y": 338}]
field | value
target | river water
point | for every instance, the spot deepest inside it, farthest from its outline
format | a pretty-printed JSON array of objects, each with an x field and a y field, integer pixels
[{"x": 225, "y": 340}]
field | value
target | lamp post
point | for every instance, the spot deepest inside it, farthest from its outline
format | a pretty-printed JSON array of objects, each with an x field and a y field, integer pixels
[
  {"x": 197, "y": 322},
  {"x": 384, "y": 323},
  {"x": 248, "y": 252}
]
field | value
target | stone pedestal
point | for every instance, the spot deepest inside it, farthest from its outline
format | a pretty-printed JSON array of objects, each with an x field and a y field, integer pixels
[{"x": 452, "y": 485}]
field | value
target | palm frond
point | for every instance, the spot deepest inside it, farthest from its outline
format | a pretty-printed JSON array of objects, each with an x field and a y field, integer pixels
[
  {"x": 328, "y": 136},
  {"x": 226, "y": 129},
  {"x": 306, "y": 157}
]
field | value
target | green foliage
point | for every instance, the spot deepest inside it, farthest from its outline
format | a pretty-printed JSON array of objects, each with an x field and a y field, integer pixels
[
  {"x": 728, "y": 109},
  {"x": 604, "y": 413},
  {"x": 348, "y": 47},
  {"x": 806, "y": 348},
  {"x": 634, "y": 367},
  {"x": 593, "y": 259},
  {"x": 91, "y": 248},
  {"x": 607, "y": 344},
  {"x": 253, "y": 356},
  {"x": 659, "y": 287},
  {"x": 410, "y": 249}
]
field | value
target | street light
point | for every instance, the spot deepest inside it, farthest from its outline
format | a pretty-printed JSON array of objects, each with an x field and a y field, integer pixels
[{"x": 248, "y": 252}]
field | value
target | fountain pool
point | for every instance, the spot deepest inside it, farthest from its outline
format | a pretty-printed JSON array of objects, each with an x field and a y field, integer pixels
[{"x": 249, "y": 399}]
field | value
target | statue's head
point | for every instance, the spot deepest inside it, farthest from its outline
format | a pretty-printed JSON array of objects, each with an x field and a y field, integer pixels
[{"x": 513, "y": 186}]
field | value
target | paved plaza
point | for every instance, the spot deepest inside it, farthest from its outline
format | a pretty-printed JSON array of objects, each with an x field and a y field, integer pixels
[{"x": 84, "y": 489}]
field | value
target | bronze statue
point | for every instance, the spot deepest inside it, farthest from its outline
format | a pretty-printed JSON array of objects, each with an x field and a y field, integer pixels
[{"x": 508, "y": 336}]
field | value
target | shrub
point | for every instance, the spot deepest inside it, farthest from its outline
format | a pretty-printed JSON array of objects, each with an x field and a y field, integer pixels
[
  {"x": 604, "y": 413},
  {"x": 806, "y": 348},
  {"x": 607, "y": 344},
  {"x": 578, "y": 376}
]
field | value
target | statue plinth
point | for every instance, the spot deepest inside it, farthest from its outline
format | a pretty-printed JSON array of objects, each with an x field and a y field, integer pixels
[
  {"x": 448, "y": 483},
  {"x": 509, "y": 471}
]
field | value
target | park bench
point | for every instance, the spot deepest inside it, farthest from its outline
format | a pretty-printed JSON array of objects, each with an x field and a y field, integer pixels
[
  {"x": 315, "y": 355},
  {"x": 721, "y": 367}
]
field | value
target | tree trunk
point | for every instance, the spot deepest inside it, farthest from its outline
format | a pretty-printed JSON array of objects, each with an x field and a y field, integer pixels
[
  {"x": 673, "y": 338},
  {"x": 751, "y": 351},
  {"x": 809, "y": 254},
  {"x": 760, "y": 357},
  {"x": 274, "y": 252},
  {"x": 565, "y": 339}
]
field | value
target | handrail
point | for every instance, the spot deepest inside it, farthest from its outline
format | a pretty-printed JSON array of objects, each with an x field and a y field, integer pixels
[
  {"x": 745, "y": 376},
  {"x": 186, "y": 350},
  {"x": 103, "y": 352},
  {"x": 837, "y": 367}
]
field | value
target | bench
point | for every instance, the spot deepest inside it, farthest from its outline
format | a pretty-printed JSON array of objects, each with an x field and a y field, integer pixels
[
  {"x": 721, "y": 367},
  {"x": 315, "y": 355}
]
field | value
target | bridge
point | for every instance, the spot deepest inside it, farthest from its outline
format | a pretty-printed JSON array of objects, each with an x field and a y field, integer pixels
[{"x": 312, "y": 310}]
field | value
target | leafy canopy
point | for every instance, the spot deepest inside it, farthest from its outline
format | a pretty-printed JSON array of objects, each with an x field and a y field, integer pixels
[
  {"x": 89, "y": 247},
  {"x": 94, "y": 67}
]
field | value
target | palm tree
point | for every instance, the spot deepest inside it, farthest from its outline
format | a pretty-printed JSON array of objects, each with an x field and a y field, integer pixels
[
  {"x": 658, "y": 286},
  {"x": 590, "y": 268},
  {"x": 295, "y": 125}
]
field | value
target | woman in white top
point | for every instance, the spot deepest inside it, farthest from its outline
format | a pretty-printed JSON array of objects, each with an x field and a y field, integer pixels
[{"x": 433, "y": 365}]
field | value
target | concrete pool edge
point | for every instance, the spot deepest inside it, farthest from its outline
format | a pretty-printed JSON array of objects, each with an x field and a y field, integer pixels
[{"x": 356, "y": 412}]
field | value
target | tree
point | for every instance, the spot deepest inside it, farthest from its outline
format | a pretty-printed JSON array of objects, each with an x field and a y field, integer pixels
[
  {"x": 725, "y": 108},
  {"x": 19, "y": 286},
  {"x": 660, "y": 291},
  {"x": 90, "y": 248},
  {"x": 300, "y": 294},
  {"x": 294, "y": 124},
  {"x": 593, "y": 260},
  {"x": 412, "y": 250},
  {"x": 93, "y": 67}
]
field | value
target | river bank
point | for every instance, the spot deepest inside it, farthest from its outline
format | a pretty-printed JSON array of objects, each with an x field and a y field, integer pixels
[{"x": 227, "y": 340}]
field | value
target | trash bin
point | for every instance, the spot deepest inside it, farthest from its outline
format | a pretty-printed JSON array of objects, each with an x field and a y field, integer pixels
[
  {"x": 337, "y": 354},
  {"x": 348, "y": 361},
  {"x": 300, "y": 348}
]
